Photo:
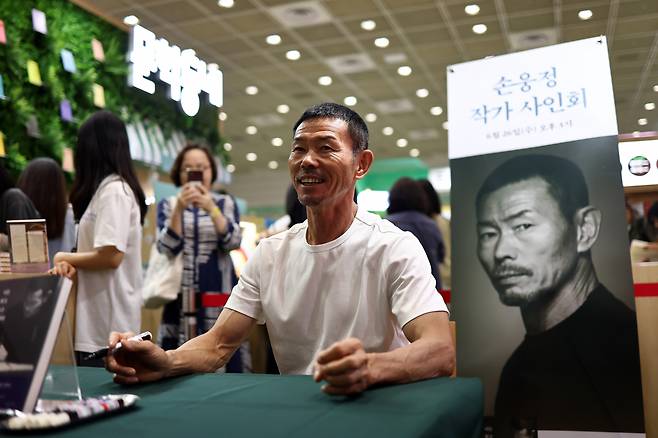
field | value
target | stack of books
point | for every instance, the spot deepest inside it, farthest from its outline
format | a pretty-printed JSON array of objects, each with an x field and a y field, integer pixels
[{"x": 5, "y": 263}]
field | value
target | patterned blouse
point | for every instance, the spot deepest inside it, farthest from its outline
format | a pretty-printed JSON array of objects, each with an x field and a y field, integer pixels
[{"x": 207, "y": 267}]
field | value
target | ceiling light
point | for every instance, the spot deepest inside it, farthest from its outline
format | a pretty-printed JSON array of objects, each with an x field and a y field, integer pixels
[
  {"x": 381, "y": 42},
  {"x": 251, "y": 90},
  {"x": 350, "y": 101},
  {"x": 293, "y": 55},
  {"x": 387, "y": 130},
  {"x": 436, "y": 110},
  {"x": 273, "y": 165},
  {"x": 371, "y": 117},
  {"x": 325, "y": 80},
  {"x": 479, "y": 28},
  {"x": 422, "y": 92},
  {"x": 273, "y": 39},
  {"x": 230, "y": 168},
  {"x": 445, "y": 125},
  {"x": 226, "y": 3},
  {"x": 251, "y": 130},
  {"x": 642, "y": 121},
  {"x": 649, "y": 106},
  {"x": 414, "y": 152},
  {"x": 277, "y": 141},
  {"x": 402, "y": 142},
  {"x": 283, "y": 108},
  {"x": 655, "y": 88},
  {"x": 404, "y": 70},
  {"x": 130, "y": 20},
  {"x": 368, "y": 24},
  {"x": 251, "y": 156},
  {"x": 472, "y": 9},
  {"x": 228, "y": 147},
  {"x": 585, "y": 14},
  {"x": 223, "y": 116}
]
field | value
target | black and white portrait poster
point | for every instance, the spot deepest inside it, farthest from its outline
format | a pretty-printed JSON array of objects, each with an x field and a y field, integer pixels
[
  {"x": 542, "y": 286},
  {"x": 31, "y": 311}
]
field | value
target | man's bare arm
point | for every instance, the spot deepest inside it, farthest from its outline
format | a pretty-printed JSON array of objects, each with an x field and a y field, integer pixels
[
  {"x": 144, "y": 361},
  {"x": 348, "y": 369},
  {"x": 212, "y": 350}
]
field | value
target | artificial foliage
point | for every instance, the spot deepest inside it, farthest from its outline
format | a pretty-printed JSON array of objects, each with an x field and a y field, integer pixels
[{"x": 72, "y": 28}]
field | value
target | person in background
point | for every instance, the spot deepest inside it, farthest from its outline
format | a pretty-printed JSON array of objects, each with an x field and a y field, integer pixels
[
  {"x": 635, "y": 225},
  {"x": 434, "y": 211},
  {"x": 14, "y": 204},
  {"x": 204, "y": 226},
  {"x": 407, "y": 209},
  {"x": 52, "y": 203},
  {"x": 109, "y": 204}
]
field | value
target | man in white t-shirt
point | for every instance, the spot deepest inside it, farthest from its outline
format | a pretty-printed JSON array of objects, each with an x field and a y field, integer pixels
[{"x": 346, "y": 295}]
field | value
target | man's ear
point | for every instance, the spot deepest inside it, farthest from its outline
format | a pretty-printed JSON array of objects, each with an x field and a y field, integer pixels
[
  {"x": 364, "y": 162},
  {"x": 588, "y": 224}
]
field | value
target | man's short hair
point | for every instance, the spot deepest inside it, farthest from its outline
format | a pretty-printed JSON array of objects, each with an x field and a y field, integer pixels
[
  {"x": 565, "y": 180},
  {"x": 328, "y": 110}
]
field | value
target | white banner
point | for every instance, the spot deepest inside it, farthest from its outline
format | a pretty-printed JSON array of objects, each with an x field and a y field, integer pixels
[{"x": 549, "y": 95}]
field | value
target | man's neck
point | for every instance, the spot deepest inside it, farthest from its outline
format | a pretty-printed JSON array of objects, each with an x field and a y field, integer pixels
[
  {"x": 545, "y": 314},
  {"x": 327, "y": 223}
]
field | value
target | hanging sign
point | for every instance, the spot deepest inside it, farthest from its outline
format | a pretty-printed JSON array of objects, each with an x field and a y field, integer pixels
[{"x": 182, "y": 70}]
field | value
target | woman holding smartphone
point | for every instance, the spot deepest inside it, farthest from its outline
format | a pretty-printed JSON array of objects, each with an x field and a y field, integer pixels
[
  {"x": 204, "y": 227},
  {"x": 109, "y": 204}
]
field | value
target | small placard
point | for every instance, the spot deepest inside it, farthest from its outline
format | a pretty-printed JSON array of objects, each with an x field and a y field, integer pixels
[
  {"x": 65, "y": 111},
  {"x": 97, "y": 48},
  {"x": 3, "y": 35},
  {"x": 99, "y": 96},
  {"x": 39, "y": 21},
  {"x": 68, "y": 61},
  {"x": 33, "y": 73},
  {"x": 28, "y": 241},
  {"x": 32, "y": 126}
]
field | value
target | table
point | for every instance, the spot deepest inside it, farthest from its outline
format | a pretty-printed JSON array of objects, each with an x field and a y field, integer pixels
[{"x": 260, "y": 405}]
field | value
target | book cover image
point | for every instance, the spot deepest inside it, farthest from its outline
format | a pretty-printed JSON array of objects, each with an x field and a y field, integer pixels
[{"x": 31, "y": 311}]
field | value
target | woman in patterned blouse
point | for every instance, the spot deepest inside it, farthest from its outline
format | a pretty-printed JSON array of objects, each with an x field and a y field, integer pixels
[{"x": 204, "y": 226}]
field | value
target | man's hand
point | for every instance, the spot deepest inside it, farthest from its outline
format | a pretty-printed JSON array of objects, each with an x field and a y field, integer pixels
[
  {"x": 344, "y": 366},
  {"x": 136, "y": 361}
]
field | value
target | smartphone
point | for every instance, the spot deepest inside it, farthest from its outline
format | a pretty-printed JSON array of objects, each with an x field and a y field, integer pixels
[{"x": 194, "y": 176}]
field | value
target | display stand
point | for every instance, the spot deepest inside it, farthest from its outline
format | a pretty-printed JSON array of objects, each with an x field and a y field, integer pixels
[{"x": 61, "y": 381}]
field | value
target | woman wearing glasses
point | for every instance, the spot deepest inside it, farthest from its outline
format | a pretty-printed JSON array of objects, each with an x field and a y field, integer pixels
[{"x": 204, "y": 227}]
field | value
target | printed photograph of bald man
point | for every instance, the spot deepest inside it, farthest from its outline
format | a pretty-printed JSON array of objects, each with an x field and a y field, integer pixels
[{"x": 576, "y": 366}]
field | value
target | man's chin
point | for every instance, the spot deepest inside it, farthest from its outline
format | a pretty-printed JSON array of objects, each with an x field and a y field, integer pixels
[{"x": 514, "y": 297}]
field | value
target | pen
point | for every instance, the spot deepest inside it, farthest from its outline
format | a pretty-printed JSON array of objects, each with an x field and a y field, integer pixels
[{"x": 146, "y": 336}]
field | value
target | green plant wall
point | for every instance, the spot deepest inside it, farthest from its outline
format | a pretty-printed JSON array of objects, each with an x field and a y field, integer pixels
[{"x": 72, "y": 28}]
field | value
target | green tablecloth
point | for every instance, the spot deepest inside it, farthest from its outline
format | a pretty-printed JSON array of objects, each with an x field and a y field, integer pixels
[{"x": 252, "y": 405}]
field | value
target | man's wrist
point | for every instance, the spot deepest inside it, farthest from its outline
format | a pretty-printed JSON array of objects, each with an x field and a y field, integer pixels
[{"x": 215, "y": 212}]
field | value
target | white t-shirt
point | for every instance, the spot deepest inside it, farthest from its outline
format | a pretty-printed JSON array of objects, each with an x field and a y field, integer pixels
[
  {"x": 368, "y": 283},
  {"x": 110, "y": 299}
]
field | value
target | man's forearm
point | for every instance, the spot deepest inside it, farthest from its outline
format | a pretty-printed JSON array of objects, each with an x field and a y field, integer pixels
[
  {"x": 420, "y": 360},
  {"x": 210, "y": 351}
]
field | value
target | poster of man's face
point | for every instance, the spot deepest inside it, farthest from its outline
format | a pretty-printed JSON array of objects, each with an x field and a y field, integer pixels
[{"x": 541, "y": 251}]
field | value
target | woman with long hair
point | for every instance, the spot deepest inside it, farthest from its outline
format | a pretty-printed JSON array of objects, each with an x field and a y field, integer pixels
[
  {"x": 109, "y": 204},
  {"x": 52, "y": 203}
]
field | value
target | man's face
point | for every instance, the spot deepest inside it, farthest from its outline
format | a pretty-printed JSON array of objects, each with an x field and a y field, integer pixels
[
  {"x": 322, "y": 164},
  {"x": 525, "y": 244}
]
